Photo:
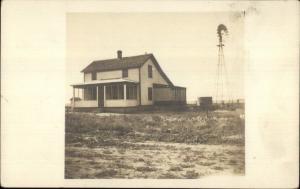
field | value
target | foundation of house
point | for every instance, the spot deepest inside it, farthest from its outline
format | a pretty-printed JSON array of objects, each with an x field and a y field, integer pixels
[{"x": 135, "y": 109}]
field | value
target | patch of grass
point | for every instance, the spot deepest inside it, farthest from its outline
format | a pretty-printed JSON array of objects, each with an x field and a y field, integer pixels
[
  {"x": 176, "y": 168},
  {"x": 146, "y": 169},
  {"x": 168, "y": 176},
  {"x": 239, "y": 170},
  {"x": 140, "y": 160},
  {"x": 190, "y": 158},
  {"x": 218, "y": 168},
  {"x": 121, "y": 151},
  {"x": 206, "y": 163},
  {"x": 183, "y": 127},
  {"x": 82, "y": 154},
  {"x": 232, "y": 162},
  {"x": 92, "y": 162},
  {"x": 107, "y": 152},
  {"x": 123, "y": 166},
  {"x": 148, "y": 156},
  {"x": 230, "y": 152},
  {"x": 107, "y": 173},
  {"x": 186, "y": 165},
  {"x": 99, "y": 166},
  {"x": 148, "y": 163},
  {"x": 188, "y": 148},
  {"x": 191, "y": 174}
]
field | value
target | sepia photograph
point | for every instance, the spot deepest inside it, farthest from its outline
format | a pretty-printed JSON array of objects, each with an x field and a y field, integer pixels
[
  {"x": 154, "y": 95},
  {"x": 149, "y": 94}
]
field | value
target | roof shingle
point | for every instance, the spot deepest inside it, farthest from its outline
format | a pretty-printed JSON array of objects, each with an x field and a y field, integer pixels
[
  {"x": 124, "y": 63},
  {"x": 116, "y": 64}
]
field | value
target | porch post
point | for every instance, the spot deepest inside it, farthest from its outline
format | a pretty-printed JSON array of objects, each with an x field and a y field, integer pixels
[
  {"x": 97, "y": 91},
  {"x": 73, "y": 99},
  {"x": 82, "y": 93},
  {"x": 124, "y": 91},
  {"x": 104, "y": 94}
]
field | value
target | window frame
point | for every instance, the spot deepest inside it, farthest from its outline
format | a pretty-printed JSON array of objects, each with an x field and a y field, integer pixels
[
  {"x": 91, "y": 93},
  {"x": 131, "y": 92},
  {"x": 150, "y": 71},
  {"x": 150, "y": 94},
  {"x": 94, "y": 76},
  {"x": 124, "y": 73},
  {"x": 94, "y": 93},
  {"x": 114, "y": 92}
]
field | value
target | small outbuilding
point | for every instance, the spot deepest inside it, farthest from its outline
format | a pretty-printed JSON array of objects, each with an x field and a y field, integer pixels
[{"x": 205, "y": 103}]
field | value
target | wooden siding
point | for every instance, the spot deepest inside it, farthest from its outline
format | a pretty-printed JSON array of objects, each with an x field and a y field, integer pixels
[
  {"x": 86, "y": 103},
  {"x": 87, "y": 77},
  {"x": 148, "y": 82},
  {"x": 121, "y": 103},
  {"x": 133, "y": 74},
  {"x": 163, "y": 94},
  {"x": 109, "y": 75},
  {"x": 169, "y": 94}
]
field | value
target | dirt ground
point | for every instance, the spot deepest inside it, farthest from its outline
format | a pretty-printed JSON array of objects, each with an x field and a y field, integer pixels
[{"x": 161, "y": 149}]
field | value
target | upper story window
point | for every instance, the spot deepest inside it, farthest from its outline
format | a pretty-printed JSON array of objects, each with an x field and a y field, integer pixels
[
  {"x": 149, "y": 71},
  {"x": 94, "y": 75},
  {"x": 125, "y": 73}
]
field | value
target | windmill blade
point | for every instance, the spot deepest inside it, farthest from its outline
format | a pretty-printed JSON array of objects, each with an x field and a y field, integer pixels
[{"x": 221, "y": 28}]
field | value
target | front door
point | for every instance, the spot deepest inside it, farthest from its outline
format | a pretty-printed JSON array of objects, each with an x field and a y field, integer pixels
[{"x": 100, "y": 96}]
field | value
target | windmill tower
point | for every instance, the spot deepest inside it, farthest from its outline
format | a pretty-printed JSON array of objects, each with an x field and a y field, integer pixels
[{"x": 222, "y": 87}]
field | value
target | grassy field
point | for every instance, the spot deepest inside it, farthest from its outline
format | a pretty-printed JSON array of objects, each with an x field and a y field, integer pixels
[{"x": 154, "y": 145}]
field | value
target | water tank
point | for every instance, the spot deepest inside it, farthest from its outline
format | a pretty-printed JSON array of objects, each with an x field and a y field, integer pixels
[{"x": 205, "y": 102}]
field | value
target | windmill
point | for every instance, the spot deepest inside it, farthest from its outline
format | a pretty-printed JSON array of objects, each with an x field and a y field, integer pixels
[{"x": 222, "y": 87}]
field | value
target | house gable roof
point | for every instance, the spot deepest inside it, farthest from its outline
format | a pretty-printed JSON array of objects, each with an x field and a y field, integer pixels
[
  {"x": 124, "y": 63},
  {"x": 117, "y": 64},
  {"x": 162, "y": 73}
]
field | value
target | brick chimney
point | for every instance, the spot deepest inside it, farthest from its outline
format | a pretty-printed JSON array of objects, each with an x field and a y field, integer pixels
[{"x": 119, "y": 52}]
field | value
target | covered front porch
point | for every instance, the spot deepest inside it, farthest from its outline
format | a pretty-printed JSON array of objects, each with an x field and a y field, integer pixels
[{"x": 106, "y": 93}]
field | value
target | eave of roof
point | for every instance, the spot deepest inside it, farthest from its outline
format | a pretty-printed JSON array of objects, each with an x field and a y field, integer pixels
[
  {"x": 116, "y": 64},
  {"x": 105, "y": 81},
  {"x": 125, "y": 63},
  {"x": 162, "y": 73},
  {"x": 158, "y": 85}
]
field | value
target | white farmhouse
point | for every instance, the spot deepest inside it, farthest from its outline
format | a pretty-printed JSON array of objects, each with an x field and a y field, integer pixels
[{"x": 124, "y": 82}]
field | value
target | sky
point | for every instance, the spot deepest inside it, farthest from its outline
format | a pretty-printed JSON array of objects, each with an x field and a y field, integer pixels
[{"x": 184, "y": 44}]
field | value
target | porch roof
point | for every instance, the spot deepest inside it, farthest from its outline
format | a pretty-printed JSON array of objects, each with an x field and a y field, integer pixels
[{"x": 106, "y": 81}]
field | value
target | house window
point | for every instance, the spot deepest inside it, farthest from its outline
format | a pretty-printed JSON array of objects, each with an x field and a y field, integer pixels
[
  {"x": 94, "y": 93},
  {"x": 125, "y": 73},
  {"x": 94, "y": 75},
  {"x": 131, "y": 91},
  {"x": 114, "y": 92},
  {"x": 149, "y": 71},
  {"x": 90, "y": 93},
  {"x": 149, "y": 93}
]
